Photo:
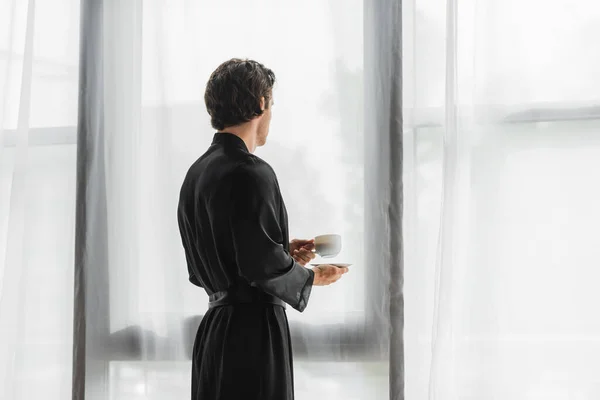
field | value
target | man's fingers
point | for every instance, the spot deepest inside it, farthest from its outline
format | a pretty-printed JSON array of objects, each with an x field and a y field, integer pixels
[
  {"x": 337, "y": 274},
  {"x": 328, "y": 274},
  {"x": 306, "y": 255},
  {"x": 302, "y": 242},
  {"x": 297, "y": 258},
  {"x": 303, "y": 256},
  {"x": 308, "y": 246}
]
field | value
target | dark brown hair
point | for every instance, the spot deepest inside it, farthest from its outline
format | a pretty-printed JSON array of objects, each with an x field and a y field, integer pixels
[{"x": 233, "y": 92}]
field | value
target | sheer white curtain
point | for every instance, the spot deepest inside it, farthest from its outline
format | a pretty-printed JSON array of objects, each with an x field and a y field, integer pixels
[
  {"x": 502, "y": 160},
  {"x": 156, "y": 58},
  {"x": 38, "y": 113},
  {"x": 140, "y": 313},
  {"x": 501, "y": 156}
]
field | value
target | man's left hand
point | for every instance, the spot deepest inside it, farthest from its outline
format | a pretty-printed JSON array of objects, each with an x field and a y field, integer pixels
[{"x": 302, "y": 250}]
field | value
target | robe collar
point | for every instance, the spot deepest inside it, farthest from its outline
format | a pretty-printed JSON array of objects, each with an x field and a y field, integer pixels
[{"x": 230, "y": 140}]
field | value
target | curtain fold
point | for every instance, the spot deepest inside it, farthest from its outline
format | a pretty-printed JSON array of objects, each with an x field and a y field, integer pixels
[
  {"x": 442, "y": 378},
  {"x": 13, "y": 275},
  {"x": 91, "y": 285},
  {"x": 383, "y": 181}
]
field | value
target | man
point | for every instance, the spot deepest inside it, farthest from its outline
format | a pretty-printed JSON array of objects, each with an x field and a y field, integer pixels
[{"x": 234, "y": 229}]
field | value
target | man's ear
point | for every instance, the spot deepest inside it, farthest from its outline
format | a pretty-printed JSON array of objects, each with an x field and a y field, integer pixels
[{"x": 263, "y": 104}]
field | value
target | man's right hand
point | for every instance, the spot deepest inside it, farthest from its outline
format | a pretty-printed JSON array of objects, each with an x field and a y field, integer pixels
[{"x": 326, "y": 274}]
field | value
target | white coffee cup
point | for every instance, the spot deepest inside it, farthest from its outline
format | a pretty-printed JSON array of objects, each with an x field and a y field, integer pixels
[{"x": 328, "y": 245}]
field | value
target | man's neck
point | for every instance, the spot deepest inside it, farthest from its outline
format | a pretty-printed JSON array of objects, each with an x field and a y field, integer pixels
[{"x": 244, "y": 132}]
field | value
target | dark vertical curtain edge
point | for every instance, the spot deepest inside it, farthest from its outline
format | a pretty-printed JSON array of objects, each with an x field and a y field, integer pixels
[
  {"x": 79, "y": 317},
  {"x": 397, "y": 375},
  {"x": 383, "y": 183},
  {"x": 91, "y": 304}
]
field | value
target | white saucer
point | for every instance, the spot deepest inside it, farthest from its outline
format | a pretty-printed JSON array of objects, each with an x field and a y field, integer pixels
[{"x": 336, "y": 264}]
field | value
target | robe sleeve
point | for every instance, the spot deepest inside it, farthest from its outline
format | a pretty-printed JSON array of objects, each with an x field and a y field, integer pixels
[
  {"x": 184, "y": 226},
  {"x": 257, "y": 237}
]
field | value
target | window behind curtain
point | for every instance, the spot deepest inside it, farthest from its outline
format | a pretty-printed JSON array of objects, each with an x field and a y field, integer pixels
[
  {"x": 520, "y": 315},
  {"x": 37, "y": 196}
]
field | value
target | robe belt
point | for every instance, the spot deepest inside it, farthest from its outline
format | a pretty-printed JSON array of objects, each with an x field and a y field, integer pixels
[{"x": 242, "y": 295}]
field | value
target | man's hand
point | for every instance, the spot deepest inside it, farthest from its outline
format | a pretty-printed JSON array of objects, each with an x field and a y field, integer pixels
[
  {"x": 302, "y": 250},
  {"x": 326, "y": 274}
]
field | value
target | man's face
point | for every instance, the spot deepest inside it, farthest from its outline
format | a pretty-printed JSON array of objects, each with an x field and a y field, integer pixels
[{"x": 263, "y": 125}]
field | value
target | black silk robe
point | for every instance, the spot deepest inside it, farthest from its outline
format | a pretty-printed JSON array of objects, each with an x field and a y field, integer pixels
[{"x": 234, "y": 231}]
